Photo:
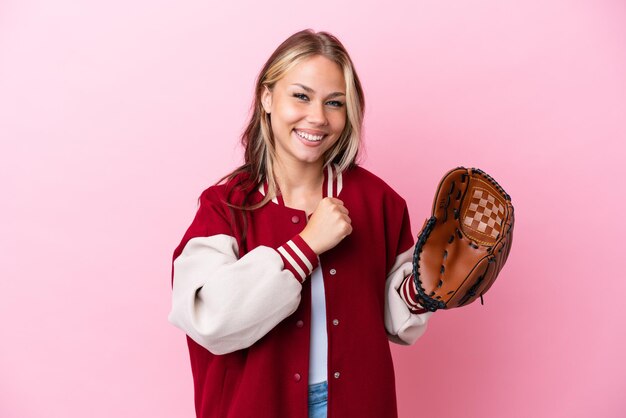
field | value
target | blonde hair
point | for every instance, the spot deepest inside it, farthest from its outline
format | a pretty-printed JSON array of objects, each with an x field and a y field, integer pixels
[{"x": 258, "y": 139}]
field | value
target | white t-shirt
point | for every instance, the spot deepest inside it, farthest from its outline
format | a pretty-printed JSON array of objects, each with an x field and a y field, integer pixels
[{"x": 318, "y": 364}]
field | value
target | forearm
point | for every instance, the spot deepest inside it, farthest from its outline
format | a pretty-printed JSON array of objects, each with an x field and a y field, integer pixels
[
  {"x": 226, "y": 304},
  {"x": 405, "y": 321}
]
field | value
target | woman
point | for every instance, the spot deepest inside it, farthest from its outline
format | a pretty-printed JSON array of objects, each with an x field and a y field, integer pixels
[{"x": 295, "y": 272}]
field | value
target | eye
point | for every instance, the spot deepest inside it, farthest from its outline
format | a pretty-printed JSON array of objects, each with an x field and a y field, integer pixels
[
  {"x": 304, "y": 97},
  {"x": 336, "y": 103}
]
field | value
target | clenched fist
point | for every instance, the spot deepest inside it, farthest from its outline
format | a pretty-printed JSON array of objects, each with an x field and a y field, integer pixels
[{"x": 328, "y": 225}]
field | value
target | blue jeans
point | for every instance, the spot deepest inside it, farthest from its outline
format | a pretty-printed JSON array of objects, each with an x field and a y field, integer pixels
[{"x": 318, "y": 400}]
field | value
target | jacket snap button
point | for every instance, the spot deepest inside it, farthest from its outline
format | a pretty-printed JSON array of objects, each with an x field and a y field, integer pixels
[
  {"x": 333, "y": 272},
  {"x": 335, "y": 322},
  {"x": 297, "y": 377},
  {"x": 300, "y": 324},
  {"x": 336, "y": 375},
  {"x": 295, "y": 219}
]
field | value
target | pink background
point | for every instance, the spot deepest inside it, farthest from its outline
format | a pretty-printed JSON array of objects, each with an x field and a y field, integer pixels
[{"x": 114, "y": 116}]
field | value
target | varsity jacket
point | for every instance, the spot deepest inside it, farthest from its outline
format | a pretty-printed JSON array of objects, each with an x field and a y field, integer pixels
[{"x": 247, "y": 311}]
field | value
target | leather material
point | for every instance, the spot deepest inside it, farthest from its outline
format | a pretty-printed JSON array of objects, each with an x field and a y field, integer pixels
[{"x": 465, "y": 243}]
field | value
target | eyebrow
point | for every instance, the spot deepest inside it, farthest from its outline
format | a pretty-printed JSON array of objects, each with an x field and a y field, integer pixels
[{"x": 310, "y": 90}]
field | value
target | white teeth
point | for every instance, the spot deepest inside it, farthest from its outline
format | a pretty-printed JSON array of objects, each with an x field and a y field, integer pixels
[{"x": 310, "y": 137}]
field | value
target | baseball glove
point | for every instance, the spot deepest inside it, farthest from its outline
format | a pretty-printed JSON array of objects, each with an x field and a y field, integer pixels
[{"x": 464, "y": 244}]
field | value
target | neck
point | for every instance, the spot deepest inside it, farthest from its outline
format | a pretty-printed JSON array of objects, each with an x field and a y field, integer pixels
[{"x": 298, "y": 178}]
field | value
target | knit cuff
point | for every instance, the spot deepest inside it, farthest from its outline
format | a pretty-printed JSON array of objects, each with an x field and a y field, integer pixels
[
  {"x": 408, "y": 293},
  {"x": 298, "y": 257}
]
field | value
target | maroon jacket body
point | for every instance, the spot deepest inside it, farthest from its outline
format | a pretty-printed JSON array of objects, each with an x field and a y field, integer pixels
[{"x": 268, "y": 379}]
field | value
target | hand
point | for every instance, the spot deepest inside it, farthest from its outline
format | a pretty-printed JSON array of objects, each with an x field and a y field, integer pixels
[{"x": 328, "y": 225}]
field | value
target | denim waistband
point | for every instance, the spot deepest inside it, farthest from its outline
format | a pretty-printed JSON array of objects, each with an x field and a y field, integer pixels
[{"x": 318, "y": 392}]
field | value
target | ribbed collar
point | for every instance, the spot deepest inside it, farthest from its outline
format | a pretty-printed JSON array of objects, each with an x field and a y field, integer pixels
[{"x": 332, "y": 186}]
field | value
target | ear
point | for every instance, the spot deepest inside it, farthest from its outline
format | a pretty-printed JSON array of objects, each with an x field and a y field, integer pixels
[{"x": 266, "y": 99}]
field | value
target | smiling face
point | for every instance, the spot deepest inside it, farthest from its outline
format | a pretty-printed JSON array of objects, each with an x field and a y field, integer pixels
[{"x": 307, "y": 110}]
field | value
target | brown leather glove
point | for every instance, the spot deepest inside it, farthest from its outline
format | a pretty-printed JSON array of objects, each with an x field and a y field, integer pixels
[{"x": 463, "y": 246}]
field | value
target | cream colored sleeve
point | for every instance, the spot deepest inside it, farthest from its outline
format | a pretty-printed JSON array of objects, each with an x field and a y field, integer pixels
[
  {"x": 224, "y": 303},
  {"x": 402, "y": 326}
]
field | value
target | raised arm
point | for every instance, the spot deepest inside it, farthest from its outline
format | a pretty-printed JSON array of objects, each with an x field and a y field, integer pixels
[
  {"x": 226, "y": 303},
  {"x": 405, "y": 320}
]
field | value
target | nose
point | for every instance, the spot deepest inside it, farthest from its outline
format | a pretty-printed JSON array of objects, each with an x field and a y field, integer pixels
[{"x": 317, "y": 114}]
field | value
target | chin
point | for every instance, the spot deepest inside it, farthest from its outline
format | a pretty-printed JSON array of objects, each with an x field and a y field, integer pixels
[{"x": 309, "y": 160}]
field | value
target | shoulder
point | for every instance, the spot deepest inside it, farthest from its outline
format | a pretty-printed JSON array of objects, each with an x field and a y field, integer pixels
[
  {"x": 231, "y": 190},
  {"x": 382, "y": 204},
  {"x": 214, "y": 215},
  {"x": 376, "y": 187}
]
